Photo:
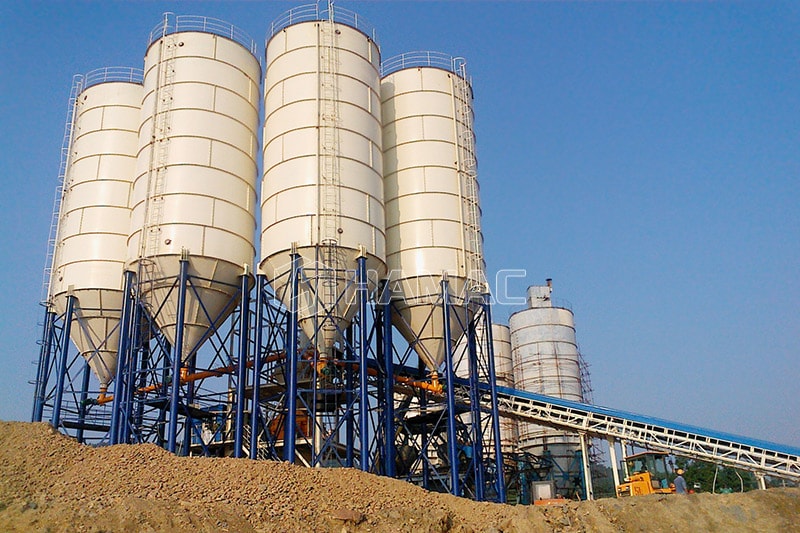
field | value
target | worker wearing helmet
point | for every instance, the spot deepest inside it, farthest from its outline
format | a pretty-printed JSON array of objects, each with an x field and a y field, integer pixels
[{"x": 680, "y": 483}]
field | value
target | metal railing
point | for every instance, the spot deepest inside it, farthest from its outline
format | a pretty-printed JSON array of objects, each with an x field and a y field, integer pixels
[
  {"x": 172, "y": 23},
  {"x": 111, "y": 74},
  {"x": 313, "y": 12},
  {"x": 423, "y": 58}
]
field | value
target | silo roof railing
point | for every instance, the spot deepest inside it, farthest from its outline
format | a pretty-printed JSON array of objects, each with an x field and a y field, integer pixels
[
  {"x": 456, "y": 65},
  {"x": 312, "y": 12},
  {"x": 172, "y": 23},
  {"x": 109, "y": 74}
]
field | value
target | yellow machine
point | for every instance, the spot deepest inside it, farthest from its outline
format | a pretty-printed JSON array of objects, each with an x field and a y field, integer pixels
[{"x": 647, "y": 474}]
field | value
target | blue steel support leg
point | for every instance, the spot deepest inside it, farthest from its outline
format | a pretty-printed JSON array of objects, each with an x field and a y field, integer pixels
[
  {"x": 452, "y": 448},
  {"x": 82, "y": 401},
  {"x": 177, "y": 356},
  {"x": 349, "y": 384},
  {"x": 425, "y": 438},
  {"x": 43, "y": 370},
  {"x": 136, "y": 377},
  {"x": 123, "y": 359},
  {"x": 500, "y": 481},
  {"x": 61, "y": 368},
  {"x": 390, "y": 451},
  {"x": 259, "y": 336},
  {"x": 475, "y": 408},
  {"x": 290, "y": 425},
  {"x": 363, "y": 397},
  {"x": 241, "y": 368}
]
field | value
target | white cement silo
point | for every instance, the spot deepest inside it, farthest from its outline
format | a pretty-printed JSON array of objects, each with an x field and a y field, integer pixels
[
  {"x": 322, "y": 192},
  {"x": 94, "y": 216},
  {"x": 546, "y": 361},
  {"x": 501, "y": 339},
  {"x": 195, "y": 185},
  {"x": 431, "y": 196}
]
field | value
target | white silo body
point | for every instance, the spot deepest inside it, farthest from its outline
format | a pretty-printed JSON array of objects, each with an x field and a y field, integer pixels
[
  {"x": 501, "y": 339},
  {"x": 546, "y": 361},
  {"x": 322, "y": 192},
  {"x": 90, "y": 251},
  {"x": 196, "y": 171},
  {"x": 431, "y": 196}
]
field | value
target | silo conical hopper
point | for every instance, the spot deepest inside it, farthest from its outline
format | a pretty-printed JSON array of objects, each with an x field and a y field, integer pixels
[
  {"x": 195, "y": 186},
  {"x": 322, "y": 192},
  {"x": 94, "y": 215},
  {"x": 431, "y": 197}
]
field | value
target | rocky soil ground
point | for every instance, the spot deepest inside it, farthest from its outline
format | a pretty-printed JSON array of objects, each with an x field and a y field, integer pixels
[{"x": 49, "y": 482}]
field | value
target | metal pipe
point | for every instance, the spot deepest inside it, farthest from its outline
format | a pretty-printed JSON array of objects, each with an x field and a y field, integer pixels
[
  {"x": 55, "y": 419},
  {"x": 122, "y": 357},
  {"x": 498, "y": 445},
  {"x": 290, "y": 425},
  {"x": 177, "y": 357},
  {"x": 257, "y": 366},
  {"x": 452, "y": 447},
  {"x": 241, "y": 365}
]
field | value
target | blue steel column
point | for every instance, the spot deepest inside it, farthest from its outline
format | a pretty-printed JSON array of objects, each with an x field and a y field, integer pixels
[
  {"x": 363, "y": 397},
  {"x": 259, "y": 335},
  {"x": 498, "y": 449},
  {"x": 290, "y": 424},
  {"x": 241, "y": 369},
  {"x": 82, "y": 401},
  {"x": 177, "y": 357},
  {"x": 48, "y": 331},
  {"x": 349, "y": 382},
  {"x": 388, "y": 361},
  {"x": 475, "y": 408},
  {"x": 61, "y": 368},
  {"x": 452, "y": 449},
  {"x": 123, "y": 359}
]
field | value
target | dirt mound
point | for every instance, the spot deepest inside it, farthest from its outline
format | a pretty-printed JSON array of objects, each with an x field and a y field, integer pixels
[{"x": 51, "y": 483}]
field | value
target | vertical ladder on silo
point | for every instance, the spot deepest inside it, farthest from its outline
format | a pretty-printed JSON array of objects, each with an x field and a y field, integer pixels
[
  {"x": 66, "y": 147},
  {"x": 330, "y": 184},
  {"x": 468, "y": 172},
  {"x": 156, "y": 178}
]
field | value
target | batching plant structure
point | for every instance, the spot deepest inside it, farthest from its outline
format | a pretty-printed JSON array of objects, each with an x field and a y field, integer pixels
[
  {"x": 546, "y": 361},
  {"x": 84, "y": 290},
  {"x": 322, "y": 238},
  {"x": 435, "y": 253}
]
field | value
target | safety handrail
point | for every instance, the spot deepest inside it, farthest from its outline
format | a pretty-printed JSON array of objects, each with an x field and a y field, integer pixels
[
  {"x": 423, "y": 58},
  {"x": 313, "y": 12},
  {"x": 111, "y": 74},
  {"x": 172, "y": 23}
]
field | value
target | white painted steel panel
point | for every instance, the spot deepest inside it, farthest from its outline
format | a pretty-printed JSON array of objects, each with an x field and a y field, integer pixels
[
  {"x": 94, "y": 219},
  {"x": 425, "y": 192},
  {"x": 322, "y": 167},
  {"x": 195, "y": 187}
]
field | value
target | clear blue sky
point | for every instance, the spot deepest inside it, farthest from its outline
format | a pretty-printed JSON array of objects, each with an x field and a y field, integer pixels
[{"x": 645, "y": 155}]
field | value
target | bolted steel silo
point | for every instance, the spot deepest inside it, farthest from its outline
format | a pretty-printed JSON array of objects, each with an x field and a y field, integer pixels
[
  {"x": 94, "y": 216},
  {"x": 194, "y": 194},
  {"x": 546, "y": 361},
  {"x": 322, "y": 192},
  {"x": 431, "y": 196}
]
